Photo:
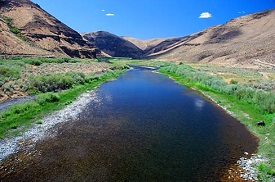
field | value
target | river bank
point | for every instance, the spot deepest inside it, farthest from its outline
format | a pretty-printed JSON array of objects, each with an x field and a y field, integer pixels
[
  {"x": 261, "y": 165},
  {"x": 41, "y": 118},
  {"x": 43, "y": 130}
]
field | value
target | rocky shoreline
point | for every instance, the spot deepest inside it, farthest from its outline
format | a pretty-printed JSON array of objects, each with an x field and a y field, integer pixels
[
  {"x": 249, "y": 166},
  {"x": 40, "y": 131}
]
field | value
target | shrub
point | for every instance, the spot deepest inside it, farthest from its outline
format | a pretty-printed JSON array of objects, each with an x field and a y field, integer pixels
[
  {"x": 35, "y": 62},
  {"x": 233, "y": 82},
  {"x": 77, "y": 77},
  {"x": 91, "y": 77},
  {"x": 55, "y": 82},
  {"x": 48, "y": 97},
  {"x": 7, "y": 87},
  {"x": 14, "y": 30},
  {"x": 6, "y": 72}
]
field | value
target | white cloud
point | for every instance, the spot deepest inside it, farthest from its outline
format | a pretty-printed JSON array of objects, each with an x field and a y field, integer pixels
[
  {"x": 241, "y": 12},
  {"x": 110, "y": 14},
  {"x": 205, "y": 15},
  {"x": 103, "y": 10}
]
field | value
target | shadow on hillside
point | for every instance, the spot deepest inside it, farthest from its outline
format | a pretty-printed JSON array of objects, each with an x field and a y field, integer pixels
[{"x": 224, "y": 34}]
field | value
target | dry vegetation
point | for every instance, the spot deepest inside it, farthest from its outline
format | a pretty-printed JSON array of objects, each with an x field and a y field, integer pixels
[
  {"x": 16, "y": 75},
  {"x": 257, "y": 78}
]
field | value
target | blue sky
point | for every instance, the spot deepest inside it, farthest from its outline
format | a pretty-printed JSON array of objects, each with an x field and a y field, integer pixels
[{"x": 146, "y": 19}]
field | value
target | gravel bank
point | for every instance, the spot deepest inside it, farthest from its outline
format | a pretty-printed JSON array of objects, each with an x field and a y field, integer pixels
[
  {"x": 39, "y": 132},
  {"x": 250, "y": 166}
]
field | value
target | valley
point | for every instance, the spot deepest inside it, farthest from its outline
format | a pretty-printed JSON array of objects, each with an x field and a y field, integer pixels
[{"x": 224, "y": 75}]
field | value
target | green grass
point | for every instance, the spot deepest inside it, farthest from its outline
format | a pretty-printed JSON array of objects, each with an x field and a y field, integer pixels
[{"x": 21, "y": 116}]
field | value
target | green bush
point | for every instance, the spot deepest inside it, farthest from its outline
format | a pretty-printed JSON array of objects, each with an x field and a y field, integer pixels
[
  {"x": 35, "y": 62},
  {"x": 78, "y": 77},
  {"x": 6, "y": 72},
  {"x": 233, "y": 82},
  {"x": 56, "y": 82},
  {"x": 14, "y": 30},
  {"x": 48, "y": 97},
  {"x": 91, "y": 77}
]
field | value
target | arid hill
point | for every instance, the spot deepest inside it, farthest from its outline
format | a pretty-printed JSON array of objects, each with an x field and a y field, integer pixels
[
  {"x": 114, "y": 45},
  {"x": 145, "y": 44},
  {"x": 245, "y": 41},
  {"x": 28, "y": 29}
]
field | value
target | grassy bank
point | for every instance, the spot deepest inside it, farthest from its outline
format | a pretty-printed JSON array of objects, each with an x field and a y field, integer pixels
[
  {"x": 54, "y": 88},
  {"x": 21, "y": 116},
  {"x": 247, "y": 104}
]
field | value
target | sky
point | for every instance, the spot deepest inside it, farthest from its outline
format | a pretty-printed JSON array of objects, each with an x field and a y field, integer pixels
[{"x": 147, "y": 19}]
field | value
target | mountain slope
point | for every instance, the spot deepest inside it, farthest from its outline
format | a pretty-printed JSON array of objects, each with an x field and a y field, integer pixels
[
  {"x": 247, "y": 40},
  {"x": 113, "y": 45},
  {"x": 43, "y": 33},
  {"x": 145, "y": 44}
]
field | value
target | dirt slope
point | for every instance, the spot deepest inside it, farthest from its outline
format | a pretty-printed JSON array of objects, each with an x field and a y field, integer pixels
[
  {"x": 44, "y": 34},
  {"x": 244, "y": 41}
]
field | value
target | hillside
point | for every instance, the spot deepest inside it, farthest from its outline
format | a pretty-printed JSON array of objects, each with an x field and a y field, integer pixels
[
  {"x": 245, "y": 41},
  {"x": 28, "y": 29},
  {"x": 144, "y": 44},
  {"x": 114, "y": 45}
]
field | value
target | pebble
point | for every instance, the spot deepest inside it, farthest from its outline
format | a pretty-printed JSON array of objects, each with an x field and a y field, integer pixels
[
  {"x": 249, "y": 165},
  {"x": 39, "y": 132}
]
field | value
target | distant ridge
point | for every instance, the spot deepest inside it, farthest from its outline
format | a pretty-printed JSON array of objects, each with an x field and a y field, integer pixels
[{"x": 114, "y": 45}]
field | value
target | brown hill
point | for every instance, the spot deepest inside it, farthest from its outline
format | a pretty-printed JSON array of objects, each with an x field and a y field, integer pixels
[
  {"x": 113, "y": 45},
  {"x": 145, "y": 44},
  {"x": 28, "y": 29},
  {"x": 247, "y": 40}
]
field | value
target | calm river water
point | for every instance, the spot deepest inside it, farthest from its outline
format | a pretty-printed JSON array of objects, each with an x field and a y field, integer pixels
[{"x": 141, "y": 127}]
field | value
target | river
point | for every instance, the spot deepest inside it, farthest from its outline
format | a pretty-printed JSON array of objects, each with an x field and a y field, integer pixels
[{"x": 140, "y": 127}]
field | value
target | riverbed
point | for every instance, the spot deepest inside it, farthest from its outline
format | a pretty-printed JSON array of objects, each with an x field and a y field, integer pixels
[{"x": 141, "y": 127}]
